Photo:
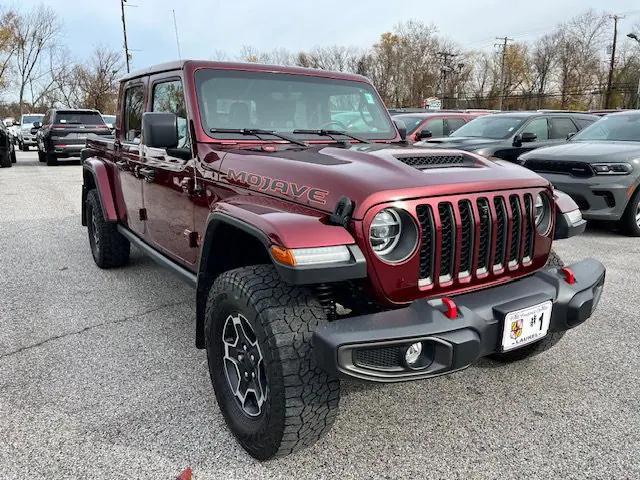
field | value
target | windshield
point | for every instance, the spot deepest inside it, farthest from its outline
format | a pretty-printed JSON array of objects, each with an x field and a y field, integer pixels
[
  {"x": 29, "y": 119},
  {"x": 491, "y": 126},
  {"x": 79, "y": 118},
  {"x": 624, "y": 128},
  {"x": 412, "y": 123},
  {"x": 286, "y": 102},
  {"x": 109, "y": 118}
]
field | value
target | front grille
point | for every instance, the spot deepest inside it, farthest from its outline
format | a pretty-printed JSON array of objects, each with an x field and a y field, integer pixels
[
  {"x": 575, "y": 169},
  {"x": 380, "y": 358},
  {"x": 475, "y": 236}
]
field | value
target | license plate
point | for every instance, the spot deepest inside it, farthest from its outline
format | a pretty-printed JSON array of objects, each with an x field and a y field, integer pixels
[{"x": 525, "y": 326}]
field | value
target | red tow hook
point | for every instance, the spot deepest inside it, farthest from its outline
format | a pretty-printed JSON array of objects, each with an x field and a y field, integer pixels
[
  {"x": 452, "y": 308},
  {"x": 569, "y": 276}
]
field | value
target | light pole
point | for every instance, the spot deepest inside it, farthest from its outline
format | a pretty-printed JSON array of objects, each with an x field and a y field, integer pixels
[{"x": 633, "y": 36}]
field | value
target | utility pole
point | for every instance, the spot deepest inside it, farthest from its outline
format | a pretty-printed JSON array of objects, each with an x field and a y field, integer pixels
[
  {"x": 445, "y": 56},
  {"x": 124, "y": 31},
  {"x": 503, "y": 45},
  {"x": 607, "y": 101},
  {"x": 175, "y": 27},
  {"x": 635, "y": 37}
]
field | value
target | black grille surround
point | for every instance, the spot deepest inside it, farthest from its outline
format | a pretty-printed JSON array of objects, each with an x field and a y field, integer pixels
[
  {"x": 575, "y": 169},
  {"x": 484, "y": 235}
]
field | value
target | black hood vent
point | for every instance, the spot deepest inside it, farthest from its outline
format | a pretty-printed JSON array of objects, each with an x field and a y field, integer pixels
[{"x": 436, "y": 160}]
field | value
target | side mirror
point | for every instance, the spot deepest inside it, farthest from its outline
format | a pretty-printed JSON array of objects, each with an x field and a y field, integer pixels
[
  {"x": 402, "y": 129},
  {"x": 424, "y": 133},
  {"x": 526, "y": 137},
  {"x": 571, "y": 135},
  {"x": 160, "y": 129},
  {"x": 34, "y": 131},
  {"x": 37, "y": 125}
]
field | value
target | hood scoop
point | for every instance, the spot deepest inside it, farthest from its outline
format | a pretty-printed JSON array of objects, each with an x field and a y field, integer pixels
[{"x": 437, "y": 160}]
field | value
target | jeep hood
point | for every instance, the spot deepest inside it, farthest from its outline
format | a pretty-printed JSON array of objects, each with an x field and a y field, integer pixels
[
  {"x": 368, "y": 174},
  {"x": 590, "y": 152}
]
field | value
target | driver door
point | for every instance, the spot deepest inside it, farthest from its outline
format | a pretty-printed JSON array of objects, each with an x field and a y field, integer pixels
[{"x": 169, "y": 176}]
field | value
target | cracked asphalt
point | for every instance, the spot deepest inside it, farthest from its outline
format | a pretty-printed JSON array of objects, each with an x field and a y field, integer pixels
[{"x": 100, "y": 379}]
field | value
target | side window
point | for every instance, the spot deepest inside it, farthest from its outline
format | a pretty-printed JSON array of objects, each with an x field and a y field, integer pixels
[
  {"x": 583, "y": 122},
  {"x": 539, "y": 127},
  {"x": 453, "y": 124},
  {"x": 561, "y": 127},
  {"x": 133, "y": 107},
  {"x": 169, "y": 97},
  {"x": 436, "y": 127}
]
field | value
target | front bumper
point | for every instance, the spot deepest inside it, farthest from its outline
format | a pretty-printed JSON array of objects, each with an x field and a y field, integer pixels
[
  {"x": 600, "y": 197},
  {"x": 341, "y": 346}
]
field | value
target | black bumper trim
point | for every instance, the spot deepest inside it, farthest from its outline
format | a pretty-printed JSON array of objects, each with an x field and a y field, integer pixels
[
  {"x": 566, "y": 229},
  {"x": 458, "y": 343}
]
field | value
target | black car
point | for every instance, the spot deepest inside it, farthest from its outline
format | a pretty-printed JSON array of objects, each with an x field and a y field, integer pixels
[
  {"x": 7, "y": 150},
  {"x": 508, "y": 135},
  {"x": 63, "y": 133},
  {"x": 599, "y": 168}
]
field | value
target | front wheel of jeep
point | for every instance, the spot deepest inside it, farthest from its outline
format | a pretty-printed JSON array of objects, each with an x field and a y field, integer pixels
[
  {"x": 258, "y": 332},
  {"x": 540, "y": 346}
]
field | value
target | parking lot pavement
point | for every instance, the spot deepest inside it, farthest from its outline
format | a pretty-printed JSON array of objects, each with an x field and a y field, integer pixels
[{"x": 100, "y": 379}]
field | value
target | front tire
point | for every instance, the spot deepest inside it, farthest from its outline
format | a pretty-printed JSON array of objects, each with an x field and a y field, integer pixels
[
  {"x": 108, "y": 247},
  {"x": 540, "y": 346},
  {"x": 5, "y": 162},
  {"x": 289, "y": 402},
  {"x": 41, "y": 157},
  {"x": 631, "y": 218}
]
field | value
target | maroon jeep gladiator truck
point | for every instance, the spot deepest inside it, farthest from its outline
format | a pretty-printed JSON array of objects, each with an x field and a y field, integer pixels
[{"x": 321, "y": 244}]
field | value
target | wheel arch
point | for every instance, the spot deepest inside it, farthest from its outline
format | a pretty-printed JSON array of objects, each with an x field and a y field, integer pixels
[
  {"x": 96, "y": 176},
  {"x": 250, "y": 247}
]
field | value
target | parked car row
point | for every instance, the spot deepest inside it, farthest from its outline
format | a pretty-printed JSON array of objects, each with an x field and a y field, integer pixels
[
  {"x": 58, "y": 133},
  {"x": 593, "y": 157}
]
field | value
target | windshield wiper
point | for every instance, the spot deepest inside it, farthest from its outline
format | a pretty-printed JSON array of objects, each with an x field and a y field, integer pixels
[
  {"x": 330, "y": 133},
  {"x": 256, "y": 132}
]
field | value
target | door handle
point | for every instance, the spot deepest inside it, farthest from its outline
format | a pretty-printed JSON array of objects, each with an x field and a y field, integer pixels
[{"x": 148, "y": 174}]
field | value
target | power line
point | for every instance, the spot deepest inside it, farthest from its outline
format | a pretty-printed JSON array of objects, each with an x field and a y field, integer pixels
[{"x": 505, "y": 41}]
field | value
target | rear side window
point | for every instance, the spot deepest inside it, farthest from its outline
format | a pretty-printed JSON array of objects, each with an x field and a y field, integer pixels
[
  {"x": 133, "y": 107},
  {"x": 78, "y": 118},
  {"x": 436, "y": 127},
  {"x": 583, "y": 122},
  {"x": 453, "y": 124},
  {"x": 169, "y": 97},
  {"x": 561, "y": 127},
  {"x": 539, "y": 127}
]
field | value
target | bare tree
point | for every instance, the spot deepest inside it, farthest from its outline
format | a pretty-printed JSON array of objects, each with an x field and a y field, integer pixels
[
  {"x": 7, "y": 44},
  {"x": 98, "y": 80},
  {"x": 33, "y": 33}
]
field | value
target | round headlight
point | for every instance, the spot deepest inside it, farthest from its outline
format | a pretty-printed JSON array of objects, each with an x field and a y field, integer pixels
[
  {"x": 385, "y": 231},
  {"x": 542, "y": 212},
  {"x": 393, "y": 235}
]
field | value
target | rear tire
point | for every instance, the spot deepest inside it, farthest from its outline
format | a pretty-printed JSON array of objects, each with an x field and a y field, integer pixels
[
  {"x": 41, "y": 157},
  {"x": 298, "y": 401},
  {"x": 540, "y": 346},
  {"x": 13, "y": 156},
  {"x": 5, "y": 162},
  {"x": 108, "y": 247},
  {"x": 631, "y": 218},
  {"x": 51, "y": 159}
]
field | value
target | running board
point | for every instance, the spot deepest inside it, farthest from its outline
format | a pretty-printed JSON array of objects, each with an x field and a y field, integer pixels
[{"x": 161, "y": 259}]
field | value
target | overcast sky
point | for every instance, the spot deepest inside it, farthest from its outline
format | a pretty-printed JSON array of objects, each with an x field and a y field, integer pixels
[{"x": 207, "y": 26}]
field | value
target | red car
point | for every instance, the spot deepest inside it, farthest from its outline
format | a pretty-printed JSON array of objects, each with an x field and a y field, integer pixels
[
  {"x": 322, "y": 245},
  {"x": 436, "y": 124}
]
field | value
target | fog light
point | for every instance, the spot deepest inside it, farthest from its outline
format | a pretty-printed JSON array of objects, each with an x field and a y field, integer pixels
[{"x": 412, "y": 355}]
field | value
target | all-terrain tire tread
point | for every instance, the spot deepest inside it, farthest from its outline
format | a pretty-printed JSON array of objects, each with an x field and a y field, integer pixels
[
  {"x": 289, "y": 316},
  {"x": 114, "y": 248}
]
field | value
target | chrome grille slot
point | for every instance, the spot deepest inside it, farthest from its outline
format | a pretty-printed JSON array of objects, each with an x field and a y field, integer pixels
[
  {"x": 516, "y": 230},
  {"x": 485, "y": 235},
  {"x": 467, "y": 226},
  {"x": 501, "y": 233},
  {"x": 427, "y": 245},
  {"x": 448, "y": 251}
]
